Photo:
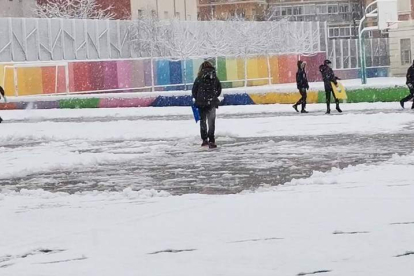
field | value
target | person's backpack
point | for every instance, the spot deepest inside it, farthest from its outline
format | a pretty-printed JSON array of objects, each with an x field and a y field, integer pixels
[{"x": 207, "y": 89}]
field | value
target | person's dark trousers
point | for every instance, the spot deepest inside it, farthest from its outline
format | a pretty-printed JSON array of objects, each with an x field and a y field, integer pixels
[
  {"x": 302, "y": 100},
  {"x": 409, "y": 97},
  {"x": 328, "y": 99},
  {"x": 208, "y": 116}
]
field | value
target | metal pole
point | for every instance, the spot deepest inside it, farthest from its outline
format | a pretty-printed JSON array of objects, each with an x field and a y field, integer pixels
[
  {"x": 185, "y": 9},
  {"x": 362, "y": 51},
  {"x": 362, "y": 44}
]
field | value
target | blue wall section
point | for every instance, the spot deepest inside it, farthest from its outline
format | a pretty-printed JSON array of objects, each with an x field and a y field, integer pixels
[
  {"x": 176, "y": 76},
  {"x": 237, "y": 99},
  {"x": 163, "y": 72},
  {"x": 172, "y": 101}
]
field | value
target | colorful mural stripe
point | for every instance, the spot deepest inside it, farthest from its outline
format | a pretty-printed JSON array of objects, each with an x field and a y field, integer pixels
[
  {"x": 354, "y": 96},
  {"x": 118, "y": 75}
]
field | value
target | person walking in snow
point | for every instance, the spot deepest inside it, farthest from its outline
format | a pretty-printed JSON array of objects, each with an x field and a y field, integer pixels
[
  {"x": 206, "y": 90},
  {"x": 1, "y": 95},
  {"x": 410, "y": 84},
  {"x": 302, "y": 85},
  {"x": 329, "y": 78}
]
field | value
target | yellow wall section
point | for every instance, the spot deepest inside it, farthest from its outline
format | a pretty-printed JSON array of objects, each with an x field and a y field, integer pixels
[
  {"x": 240, "y": 69},
  {"x": 262, "y": 71},
  {"x": 8, "y": 82},
  {"x": 274, "y": 67},
  {"x": 282, "y": 98},
  {"x": 29, "y": 81},
  {"x": 231, "y": 69},
  {"x": 233, "y": 72}
]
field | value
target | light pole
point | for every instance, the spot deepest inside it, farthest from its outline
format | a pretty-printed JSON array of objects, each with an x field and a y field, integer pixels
[
  {"x": 361, "y": 30},
  {"x": 185, "y": 9}
]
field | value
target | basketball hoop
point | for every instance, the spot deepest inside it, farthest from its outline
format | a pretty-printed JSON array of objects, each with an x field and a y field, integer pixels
[
  {"x": 386, "y": 11},
  {"x": 392, "y": 25}
]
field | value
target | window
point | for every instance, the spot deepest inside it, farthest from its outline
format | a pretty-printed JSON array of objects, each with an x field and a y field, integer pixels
[
  {"x": 405, "y": 46},
  {"x": 332, "y": 9},
  {"x": 344, "y": 8},
  {"x": 297, "y": 10},
  {"x": 177, "y": 15},
  {"x": 140, "y": 13},
  {"x": 321, "y": 9},
  {"x": 309, "y": 9}
]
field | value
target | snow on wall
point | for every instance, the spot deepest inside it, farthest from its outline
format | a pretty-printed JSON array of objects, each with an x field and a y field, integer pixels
[{"x": 134, "y": 75}]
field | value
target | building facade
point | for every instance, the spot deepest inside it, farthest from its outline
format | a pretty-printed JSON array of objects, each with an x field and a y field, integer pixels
[
  {"x": 227, "y": 9},
  {"x": 402, "y": 39},
  {"x": 17, "y": 8},
  {"x": 342, "y": 15},
  {"x": 165, "y": 9},
  {"x": 122, "y": 9}
]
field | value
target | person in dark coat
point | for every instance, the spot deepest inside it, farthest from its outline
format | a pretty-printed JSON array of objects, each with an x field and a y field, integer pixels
[
  {"x": 410, "y": 84},
  {"x": 302, "y": 85},
  {"x": 1, "y": 95},
  {"x": 206, "y": 90},
  {"x": 329, "y": 77}
]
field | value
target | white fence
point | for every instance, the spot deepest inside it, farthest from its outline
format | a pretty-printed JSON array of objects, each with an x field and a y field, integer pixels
[
  {"x": 344, "y": 53},
  {"x": 34, "y": 39}
]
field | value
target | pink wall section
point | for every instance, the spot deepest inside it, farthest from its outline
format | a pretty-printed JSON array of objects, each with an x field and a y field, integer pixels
[
  {"x": 134, "y": 102},
  {"x": 138, "y": 79},
  {"x": 97, "y": 73},
  {"x": 110, "y": 75},
  {"x": 313, "y": 63},
  {"x": 124, "y": 69},
  {"x": 287, "y": 68}
]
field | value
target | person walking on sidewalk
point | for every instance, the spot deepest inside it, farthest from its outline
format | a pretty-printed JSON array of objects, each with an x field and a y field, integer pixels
[
  {"x": 410, "y": 84},
  {"x": 302, "y": 85},
  {"x": 1, "y": 95},
  {"x": 206, "y": 90},
  {"x": 329, "y": 77}
]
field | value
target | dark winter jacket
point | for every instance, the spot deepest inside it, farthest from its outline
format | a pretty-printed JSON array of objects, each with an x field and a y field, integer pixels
[
  {"x": 1, "y": 91},
  {"x": 301, "y": 78},
  {"x": 410, "y": 75},
  {"x": 207, "y": 89},
  {"x": 328, "y": 77}
]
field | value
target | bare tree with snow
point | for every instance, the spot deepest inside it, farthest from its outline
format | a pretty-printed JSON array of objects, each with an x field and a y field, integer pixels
[
  {"x": 73, "y": 9},
  {"x": 181, "y": 40}
]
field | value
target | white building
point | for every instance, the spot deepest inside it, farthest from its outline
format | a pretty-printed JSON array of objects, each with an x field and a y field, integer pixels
[
  {"x": 402, "y": 40},
  {"x": 165, "y": 9},
  {"x": 16, "y": 8}
]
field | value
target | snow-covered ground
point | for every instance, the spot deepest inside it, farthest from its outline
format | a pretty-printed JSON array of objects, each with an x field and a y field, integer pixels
[{"x": 345, "y": 206}]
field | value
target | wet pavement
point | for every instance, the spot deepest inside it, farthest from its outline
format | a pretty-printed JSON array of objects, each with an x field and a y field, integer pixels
[{"x": 238, "y": 164}]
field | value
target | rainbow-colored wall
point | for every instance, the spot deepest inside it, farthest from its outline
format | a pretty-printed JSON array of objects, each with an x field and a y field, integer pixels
[
  {"x": 135, "y": 75},
  {"x": 354, "y": 96}
]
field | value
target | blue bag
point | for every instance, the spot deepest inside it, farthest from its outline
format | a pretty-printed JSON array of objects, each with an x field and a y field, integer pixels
[{"x": 196, "y": 113}]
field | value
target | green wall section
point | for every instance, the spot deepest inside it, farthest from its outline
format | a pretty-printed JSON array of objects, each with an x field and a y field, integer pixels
[
  {"x": 372, "y": 95},
  {"x": 222, "y": 72},
  {"x": 79, "y": 103}
]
